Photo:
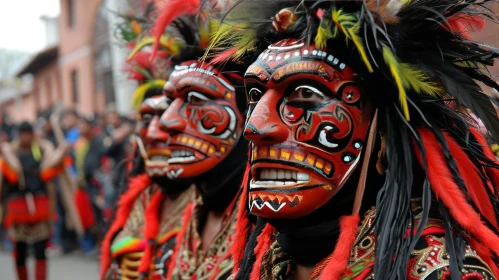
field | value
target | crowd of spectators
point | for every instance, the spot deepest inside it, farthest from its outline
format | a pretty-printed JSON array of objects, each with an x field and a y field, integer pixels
[{"x": 99, "y": 145}]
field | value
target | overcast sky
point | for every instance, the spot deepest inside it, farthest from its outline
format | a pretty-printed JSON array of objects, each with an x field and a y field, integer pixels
[{"x": 20, "y": 25}]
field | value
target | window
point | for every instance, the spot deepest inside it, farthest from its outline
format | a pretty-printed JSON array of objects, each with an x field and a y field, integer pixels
[
  {"x": 74, "y": 85},
  {"x": 71, "y": 12}
]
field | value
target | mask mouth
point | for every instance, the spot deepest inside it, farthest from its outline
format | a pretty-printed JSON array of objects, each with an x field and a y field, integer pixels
[
  {"x": 278, "y": 177},
  {"x": 287, "y": 164},
  {"x": 156, "y": 163},
  {"x": 183, "y": 155}
]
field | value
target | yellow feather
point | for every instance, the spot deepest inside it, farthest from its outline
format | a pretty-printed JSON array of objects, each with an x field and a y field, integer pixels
[
  {"x": 230, "y": 36},
  {"x": 169, "y": 43},
  {"x": 350, "y": 27},
  {"x": 139, "y": 94},
  {"x": 419, "y": 81},
  {"x": 393, "y": 64},
  {"x": 323, "y": 34}
]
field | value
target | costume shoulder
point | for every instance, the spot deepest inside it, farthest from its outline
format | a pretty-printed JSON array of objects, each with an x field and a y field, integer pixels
[{"x": 432, "y": 262}]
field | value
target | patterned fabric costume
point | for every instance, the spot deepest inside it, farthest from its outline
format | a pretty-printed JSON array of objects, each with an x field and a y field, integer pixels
[
  {"x": 127, "y": 239},
  {"x": 204, "y": 120},
  {"x": 26, "y": 176},
  {"x": 339, "y": 81}
]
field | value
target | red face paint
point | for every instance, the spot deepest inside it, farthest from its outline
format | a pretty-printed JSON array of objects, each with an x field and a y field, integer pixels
[
  {"x": 203, "y": 119},
  {"x": 307, "y": 125}
]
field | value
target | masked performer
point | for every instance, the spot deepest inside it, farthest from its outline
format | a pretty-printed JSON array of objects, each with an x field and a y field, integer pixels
[
  {"x": 27, "y": 169},
  {"x": 125, "y": 241},
  {"x": 204, "y": 122},
  {"x": 365, "y": 163}
]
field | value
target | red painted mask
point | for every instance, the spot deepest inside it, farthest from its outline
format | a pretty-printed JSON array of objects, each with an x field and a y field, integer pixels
[
  {"x": 155, "y": 140},
  {"x": 307, "y": 125},
  {"x": 203, "y": 119}
]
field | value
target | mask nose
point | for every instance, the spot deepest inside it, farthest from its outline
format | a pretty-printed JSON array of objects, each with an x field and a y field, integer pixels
[
  {"x": 171, "y": 122},
  {"x": 154, "y": 133},
  {"x": 264, "y": 126}
]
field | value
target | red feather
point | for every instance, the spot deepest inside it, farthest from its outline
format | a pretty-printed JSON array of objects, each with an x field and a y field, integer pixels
[
  {"x": 189, "y": 210},
  {"x": 474, "y": 185},
  {"x": 136, "y": 186},
  {"x": 486, "y": 256},
  {"x": 464, "y": 24},
  {"x": 172, "y": 9},
  {"x": 151, "y": 231},
  {"x": 492, "y": 172},
  {"x": 243, "y": 224},
  {"x": 223, "y": 56},
  {"x": 264, "y": 241},
  {"x": 448, "y": 192},
  {"x": 338, "y": 261}
]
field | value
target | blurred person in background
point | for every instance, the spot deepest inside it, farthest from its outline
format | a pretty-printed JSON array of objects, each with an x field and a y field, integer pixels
[
  {"x": 70, "y": 125},
  {"x": 63, "y": 239},
  {"x": 5, "y": 126},
  {"x": 28, "y": 167},
  {"x": 90, "y": 152}
]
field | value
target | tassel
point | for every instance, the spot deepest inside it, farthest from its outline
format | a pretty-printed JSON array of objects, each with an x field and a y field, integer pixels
[
  {"x": 243, "y": 223},
  {"x": 189, "y": 211},
  {"x": 151, "y": 232},
  {"x": 338, "y": 261},
  {"x": 446, "y": 190},
  {"x": 172, "y": 9},
  {"x": 473, "y": 181},
  {"x": 264, "y": 241},
  {"x": 136, "y": 186}
]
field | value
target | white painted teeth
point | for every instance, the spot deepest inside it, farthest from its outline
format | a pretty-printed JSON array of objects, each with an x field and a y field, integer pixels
[
  {"x": 280, "y": 177},
  {"x": 282, "y": 174},
  {"x": 275, "y": 183},
  {"x": 179, "y": 156},
  {"x": 182, "y": 153},
  {"x": 181, "y": 159}
]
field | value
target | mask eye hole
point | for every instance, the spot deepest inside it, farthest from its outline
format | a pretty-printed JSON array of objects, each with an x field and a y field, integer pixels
[
  {"x": 306, "y": 94},
  {"x": 254, "y": 95},
  {"x": 196, "y": 98}
]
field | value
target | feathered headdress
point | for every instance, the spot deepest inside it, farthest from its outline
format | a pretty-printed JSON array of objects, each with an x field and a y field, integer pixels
[
  {"x": 135, "y": 31},
  {"x": 421, "y": 70}
]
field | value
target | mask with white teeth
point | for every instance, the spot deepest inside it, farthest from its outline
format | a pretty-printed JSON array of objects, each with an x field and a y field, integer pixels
[{"x": 308, "y": 124}]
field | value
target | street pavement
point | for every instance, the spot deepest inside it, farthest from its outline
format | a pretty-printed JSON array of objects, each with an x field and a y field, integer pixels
[{"x": 61, "y": 267}]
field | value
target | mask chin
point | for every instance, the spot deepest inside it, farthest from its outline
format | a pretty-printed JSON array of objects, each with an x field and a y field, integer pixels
[{"x": 168, "y": 186}]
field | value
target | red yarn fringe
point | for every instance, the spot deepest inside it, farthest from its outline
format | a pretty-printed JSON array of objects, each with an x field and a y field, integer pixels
[
  {"x": 243, "y": 223},
  {"x": 448, "y": 192},
  {"x": 151, "y": 231},
  {"x": 474, "y": 185},
  {"x": 264, "y": 241},
  {"x": 189, "y": 210},
  {"x": 338, "y": 261},
  {"x": 135, "y": 187},
  {"x": 172, "y": 9}
]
